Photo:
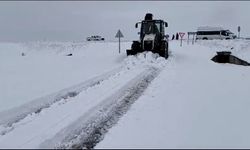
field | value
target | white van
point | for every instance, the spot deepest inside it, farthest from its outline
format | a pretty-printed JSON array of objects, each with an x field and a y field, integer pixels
[
  {"x": 95, "y": 38},
  {"x": 210, "y": 33}
]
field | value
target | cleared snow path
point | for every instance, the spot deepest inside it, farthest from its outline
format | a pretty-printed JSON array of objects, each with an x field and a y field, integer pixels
[
  {"x": 78, "y": 117},
  {"x": 9, "y": 117},
  {"x": 90, "y": 128}
]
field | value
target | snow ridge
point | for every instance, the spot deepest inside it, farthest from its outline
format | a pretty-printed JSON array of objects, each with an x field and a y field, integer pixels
[
  {"x": 90, "y": 129},
  {"x": 9, "y": 117}
]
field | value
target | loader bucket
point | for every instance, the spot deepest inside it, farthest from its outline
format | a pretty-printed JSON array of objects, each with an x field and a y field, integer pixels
[{"x": 131, "y": 52}]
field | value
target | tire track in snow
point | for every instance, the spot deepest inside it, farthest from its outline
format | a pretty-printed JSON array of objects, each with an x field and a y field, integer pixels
[
  {"x": 14, "y": 115},
  {"x": 90, "y": 128},
  {"x": 31, "y": 131}
]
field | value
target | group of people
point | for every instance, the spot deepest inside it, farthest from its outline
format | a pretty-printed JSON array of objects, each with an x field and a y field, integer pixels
[{"x": 175, "y": 37}]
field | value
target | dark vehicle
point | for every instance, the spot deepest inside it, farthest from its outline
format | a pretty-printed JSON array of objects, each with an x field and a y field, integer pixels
[{"x": 152, "y": 37}]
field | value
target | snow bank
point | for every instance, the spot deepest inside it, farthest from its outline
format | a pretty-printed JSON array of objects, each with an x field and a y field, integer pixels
[
  {"x": 238, "y": 47},
  {"x": 145, "y": 59}
]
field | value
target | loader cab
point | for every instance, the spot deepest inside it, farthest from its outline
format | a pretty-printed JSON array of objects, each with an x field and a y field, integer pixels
[{"x": 152, "y": 27}]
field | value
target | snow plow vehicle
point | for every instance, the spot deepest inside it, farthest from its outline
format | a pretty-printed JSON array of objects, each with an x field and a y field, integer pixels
[{"x": 152, "y": 37}]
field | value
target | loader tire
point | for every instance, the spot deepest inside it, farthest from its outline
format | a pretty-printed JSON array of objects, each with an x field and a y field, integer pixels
[
  {"x": 164, "y": 50},
  {"x": 135, "y": 46}
]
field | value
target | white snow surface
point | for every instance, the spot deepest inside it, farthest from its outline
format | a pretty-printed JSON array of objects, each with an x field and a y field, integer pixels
[
  {"x": 193, "y": 103},
  {"x": 45, "y": 68}
]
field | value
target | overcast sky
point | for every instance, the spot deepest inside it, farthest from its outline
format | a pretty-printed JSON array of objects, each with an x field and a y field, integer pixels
[{"x": 61, "y": 20}]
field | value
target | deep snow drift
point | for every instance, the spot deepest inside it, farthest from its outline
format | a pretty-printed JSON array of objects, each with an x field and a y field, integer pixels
[{"x": 47, "y": 98}]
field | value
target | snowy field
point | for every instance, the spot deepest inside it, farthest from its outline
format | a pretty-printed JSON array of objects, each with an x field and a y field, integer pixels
[{"x": 50, "y": 100}]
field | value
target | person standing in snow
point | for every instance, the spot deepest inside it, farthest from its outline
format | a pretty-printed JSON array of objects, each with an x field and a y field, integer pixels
[
  {"x": 177, "y": 36},
  {"x": 173, "y": 37}
]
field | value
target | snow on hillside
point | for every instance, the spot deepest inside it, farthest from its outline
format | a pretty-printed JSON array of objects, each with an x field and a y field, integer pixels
[{"x": 52, "y": 100}]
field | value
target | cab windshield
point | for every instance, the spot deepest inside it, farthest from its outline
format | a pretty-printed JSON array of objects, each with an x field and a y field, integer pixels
[{"x": 150, "y": 27}]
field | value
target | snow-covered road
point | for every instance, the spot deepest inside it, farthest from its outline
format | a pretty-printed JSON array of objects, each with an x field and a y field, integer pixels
[
  {"x": 98, "y": 100},
  {"x": 193, "y": 103},
  {"x": 50, "y": 100},
  {"x": 79, "y": 116}
]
